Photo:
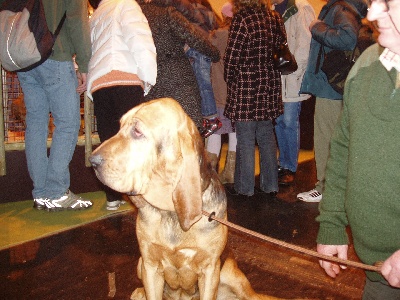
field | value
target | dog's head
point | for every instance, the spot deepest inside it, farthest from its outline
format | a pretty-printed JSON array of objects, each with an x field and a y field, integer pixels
[{"x": 158, "y": 154}]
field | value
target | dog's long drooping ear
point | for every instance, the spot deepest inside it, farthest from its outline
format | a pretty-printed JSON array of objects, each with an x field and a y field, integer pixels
[{"x": 187, "y": 196}]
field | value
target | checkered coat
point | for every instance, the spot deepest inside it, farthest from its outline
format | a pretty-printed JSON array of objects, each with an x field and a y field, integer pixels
[{"x": 254, "y": 85}]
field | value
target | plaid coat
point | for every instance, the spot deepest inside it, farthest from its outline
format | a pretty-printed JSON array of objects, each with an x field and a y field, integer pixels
[{"x": 254, "y": 85}]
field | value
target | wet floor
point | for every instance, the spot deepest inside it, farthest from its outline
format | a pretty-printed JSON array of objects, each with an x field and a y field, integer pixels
[{"x": 98, "y": 260}]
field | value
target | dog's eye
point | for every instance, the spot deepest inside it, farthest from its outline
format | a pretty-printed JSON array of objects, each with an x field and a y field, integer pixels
[{"x": 137, "y": 133}]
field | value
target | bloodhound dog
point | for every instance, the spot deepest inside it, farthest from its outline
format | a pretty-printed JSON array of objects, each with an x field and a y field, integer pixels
[{"x": 158, "y": 159}]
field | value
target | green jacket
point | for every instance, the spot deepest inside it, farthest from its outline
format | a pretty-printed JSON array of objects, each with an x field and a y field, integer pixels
[
  {"x": 74, "y": 37},
  {"x": 362, "y": 187}
]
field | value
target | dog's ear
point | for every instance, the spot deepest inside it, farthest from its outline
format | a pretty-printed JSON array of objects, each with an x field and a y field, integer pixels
[{"x": 187, "y": 196}]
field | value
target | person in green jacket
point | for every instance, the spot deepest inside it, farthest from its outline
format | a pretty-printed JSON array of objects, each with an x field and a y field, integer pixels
[
  {"x": 54, "y": 87},
  {"x": 362, "y": 179}
]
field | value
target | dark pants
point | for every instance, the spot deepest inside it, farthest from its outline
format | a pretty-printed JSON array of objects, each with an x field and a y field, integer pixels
[
  {"x": 110, "y": 104},
  {"x": 379, "y": 291}
]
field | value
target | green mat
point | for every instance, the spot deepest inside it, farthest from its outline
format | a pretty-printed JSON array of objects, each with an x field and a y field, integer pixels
[{"x": 20, "y": 222}]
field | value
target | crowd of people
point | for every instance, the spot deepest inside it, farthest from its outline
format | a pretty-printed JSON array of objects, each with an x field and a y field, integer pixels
[{"x": 222, "y": 73}]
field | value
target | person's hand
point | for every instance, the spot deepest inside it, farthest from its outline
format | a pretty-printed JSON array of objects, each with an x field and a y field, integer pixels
[
  {"x": 331, "y": 268},
  {"x": 313, "y": 23},
  {"x": 81, "y": 82},
  {"x": 391, "y": 269}
]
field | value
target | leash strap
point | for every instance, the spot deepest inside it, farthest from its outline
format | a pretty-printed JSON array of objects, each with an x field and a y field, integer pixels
[{"x": 375, "y": 268}]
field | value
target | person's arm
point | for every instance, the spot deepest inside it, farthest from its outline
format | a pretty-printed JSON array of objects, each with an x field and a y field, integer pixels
[
  {"x": 139, "y": 40},
  {"x": 342, "y": 35},
  {"x": 192, "y": 36},
  {"x": 77, "y": 24},
  {"x": 303, "y": 19},
  {"x": 332, "y": 237},
  {"x": 233, "y": 52},
  {"x": 82, "y": 82}
]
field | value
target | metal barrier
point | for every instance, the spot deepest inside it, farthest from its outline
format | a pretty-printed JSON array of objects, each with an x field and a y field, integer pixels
[{"x": 12, "y": 120}]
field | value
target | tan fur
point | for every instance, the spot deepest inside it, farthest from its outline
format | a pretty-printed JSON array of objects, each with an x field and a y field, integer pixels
[{"x": 158, "y": 158}]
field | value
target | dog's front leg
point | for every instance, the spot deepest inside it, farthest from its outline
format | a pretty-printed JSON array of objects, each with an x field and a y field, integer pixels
[
  {"x": 208, "y": 282},
  {"x": 153, "y": 282}
]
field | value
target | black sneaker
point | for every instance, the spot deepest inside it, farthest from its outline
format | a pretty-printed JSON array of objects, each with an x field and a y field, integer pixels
[
  {"x": 286, "y": 177},
  {"x": 210, "y": 126}
]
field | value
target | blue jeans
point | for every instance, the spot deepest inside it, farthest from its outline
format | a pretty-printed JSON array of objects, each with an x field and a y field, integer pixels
[
  {"x": 288, "y": 135},
  {"x": 247, "y": 133},
  {"x": 201, "y": 65},
  {"x": 50, "y": 87}
]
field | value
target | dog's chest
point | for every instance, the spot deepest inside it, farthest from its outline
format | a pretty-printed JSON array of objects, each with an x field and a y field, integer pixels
[{"x": 161, "y": 238}]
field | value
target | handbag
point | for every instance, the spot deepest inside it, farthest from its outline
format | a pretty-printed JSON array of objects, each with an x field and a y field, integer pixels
[
  {"x": 284, "y": 60},
  {"x": 336, "y": 66}
]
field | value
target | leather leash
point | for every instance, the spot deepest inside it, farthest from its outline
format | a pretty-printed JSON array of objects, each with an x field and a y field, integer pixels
[{"x": 375, "y": 268}]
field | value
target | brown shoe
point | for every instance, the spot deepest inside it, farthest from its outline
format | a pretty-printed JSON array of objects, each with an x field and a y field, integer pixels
[{"x": 287, "y": 178}]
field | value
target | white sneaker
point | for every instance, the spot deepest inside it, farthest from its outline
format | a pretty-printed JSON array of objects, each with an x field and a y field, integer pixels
[
  {"x": 69, "y": 201},
  {"x": 114, "y": 205},
  {"x": 310, "y": 196}
]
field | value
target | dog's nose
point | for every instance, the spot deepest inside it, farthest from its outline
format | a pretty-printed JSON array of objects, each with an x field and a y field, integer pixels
[{"x": 96, "y": 160}]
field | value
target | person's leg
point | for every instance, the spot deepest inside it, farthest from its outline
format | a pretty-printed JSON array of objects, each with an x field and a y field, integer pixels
[
  {"x": 106, "y": 119},
  {"x": 214, "y": 144},
  {"x": 245, "y": 157},
  {"x": 326, "y": 116},
  {"x": 53, "y": 85},
  {"x": 37, "y": 122},
  {"x": 288, "y": 136},
  {"x": 65, "y": 109},
  {"x": 126, "y": 98},
  {"x": 110, "y": 104},
  {"x": 201, "y": 65},
  {"x": 232, "y": 141},
  {"x": 268, "y": 160},
  {"x": 379, "y": 291},
  {"x": 213, "y": 150}
]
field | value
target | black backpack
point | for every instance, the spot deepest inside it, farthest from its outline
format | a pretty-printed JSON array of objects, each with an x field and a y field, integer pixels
[{"x": 26, "y": 40}]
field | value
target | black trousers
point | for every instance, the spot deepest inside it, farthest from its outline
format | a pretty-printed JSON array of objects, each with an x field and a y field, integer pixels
[{"x": 110, "y": 104}]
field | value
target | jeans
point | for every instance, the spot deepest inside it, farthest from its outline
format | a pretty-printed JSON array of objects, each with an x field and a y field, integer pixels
[
  {"x": 201, "y": 65},
  {"x": 247, "y": 133},
  {"x": 50, "y": 87},
  {"x": 288, "y": 135}
]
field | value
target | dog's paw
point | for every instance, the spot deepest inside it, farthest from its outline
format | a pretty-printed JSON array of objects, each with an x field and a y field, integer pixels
[{"x": 138, "y": 294}]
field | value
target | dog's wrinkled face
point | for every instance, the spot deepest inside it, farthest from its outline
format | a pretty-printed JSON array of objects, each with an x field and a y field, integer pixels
[
  {"x": 131, "y": 154},
  {"x": 156, "y": 154}
]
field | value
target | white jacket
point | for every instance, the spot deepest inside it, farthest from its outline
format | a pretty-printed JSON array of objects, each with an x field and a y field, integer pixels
[
  {"x": 121, "y": 40},
  {"x": 297, "y": 17}
]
